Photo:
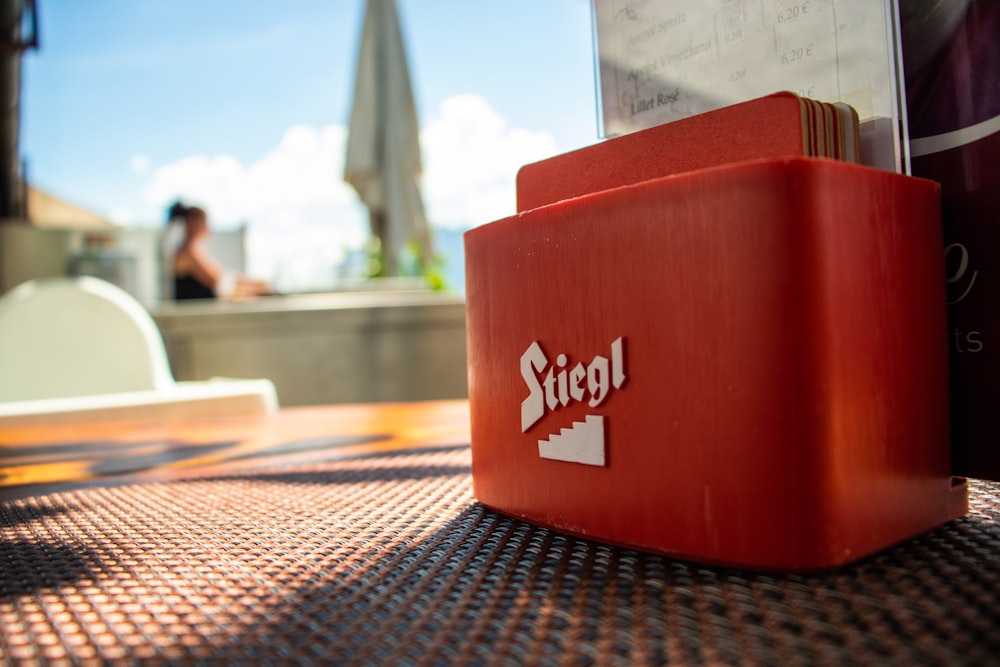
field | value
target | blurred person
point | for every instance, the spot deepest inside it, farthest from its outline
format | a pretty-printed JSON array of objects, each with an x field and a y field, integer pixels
[{"x": 197, "y": 274}]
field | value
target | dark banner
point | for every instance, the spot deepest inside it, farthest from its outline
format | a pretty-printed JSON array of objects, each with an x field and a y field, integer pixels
[{"x": 952, "y": 58}]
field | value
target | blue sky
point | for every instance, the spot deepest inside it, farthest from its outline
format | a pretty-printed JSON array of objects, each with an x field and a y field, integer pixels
[{"x": 241, "y": 106}]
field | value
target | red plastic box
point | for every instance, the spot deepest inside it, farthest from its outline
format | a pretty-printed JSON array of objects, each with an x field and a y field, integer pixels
[{"x": 742, "y": 365}]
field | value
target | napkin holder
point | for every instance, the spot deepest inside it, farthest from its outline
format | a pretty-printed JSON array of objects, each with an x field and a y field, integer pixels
[{"x": 742, "y": 365}]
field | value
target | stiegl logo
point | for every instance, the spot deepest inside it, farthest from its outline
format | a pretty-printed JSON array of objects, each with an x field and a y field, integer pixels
[{"x": 552, "y": 386}]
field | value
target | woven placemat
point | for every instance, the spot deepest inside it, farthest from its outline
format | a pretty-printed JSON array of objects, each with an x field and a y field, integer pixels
[{"x": 388, "y": 560}]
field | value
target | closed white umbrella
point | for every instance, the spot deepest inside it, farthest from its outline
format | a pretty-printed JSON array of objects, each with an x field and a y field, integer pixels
[{"x": 383, "y": 144}]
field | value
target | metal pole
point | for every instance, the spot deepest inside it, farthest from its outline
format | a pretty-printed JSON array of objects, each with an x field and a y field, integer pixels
[{"x": 17, "y": 32}]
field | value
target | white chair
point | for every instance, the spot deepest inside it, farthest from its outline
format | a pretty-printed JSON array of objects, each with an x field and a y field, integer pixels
[{"x": 76, "y": 349}]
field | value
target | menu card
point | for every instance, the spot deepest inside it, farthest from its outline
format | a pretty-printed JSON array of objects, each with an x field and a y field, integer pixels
[
  {"x": 663, "y": 60},
  {"x": 953, "y": 91}
]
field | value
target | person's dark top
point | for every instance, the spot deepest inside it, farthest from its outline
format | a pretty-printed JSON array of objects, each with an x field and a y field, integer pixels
[{"x": 188, "y": 287}]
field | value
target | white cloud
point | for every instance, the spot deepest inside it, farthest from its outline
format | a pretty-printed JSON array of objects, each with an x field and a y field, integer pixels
[
  {"x": 471, "y": 158},
  {"x": 121, "y": 215},
  {"x": 303, "y": 216},
  {"x": 298, "y": 181},
  {"x": 139, "y": 163}
]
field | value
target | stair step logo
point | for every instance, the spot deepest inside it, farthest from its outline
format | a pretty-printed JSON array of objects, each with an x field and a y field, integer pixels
[
  {"x": 583, "y": 442},
  {"x": 552, "y": 386}
]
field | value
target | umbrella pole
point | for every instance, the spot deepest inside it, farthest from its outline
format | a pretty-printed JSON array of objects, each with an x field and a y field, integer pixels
[{"x": 380, "y": 228}]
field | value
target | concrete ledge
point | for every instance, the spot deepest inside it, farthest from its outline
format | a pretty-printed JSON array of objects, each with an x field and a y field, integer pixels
[{"x": 348, "y": 347}]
